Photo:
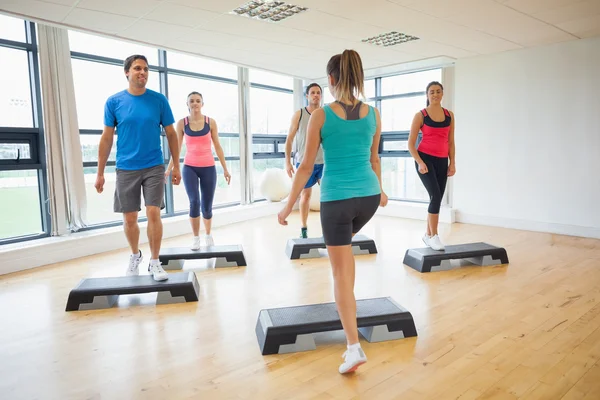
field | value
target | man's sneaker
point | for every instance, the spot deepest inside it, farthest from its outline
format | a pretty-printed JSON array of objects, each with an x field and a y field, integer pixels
[
  {"x": 209, "y": 240},
  {"x": 195, "y": 243},
  {"x": 157, "y": 271},
  {"x": 304, "y": 233},
  {"x": 426, "y": 238},
  {"x": 352, "y": 360},
  {"x": 134, "y": 264},
  {"x": 436, "y": 243}
]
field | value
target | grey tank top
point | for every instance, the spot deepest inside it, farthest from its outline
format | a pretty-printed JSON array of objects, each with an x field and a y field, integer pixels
[{"x": 300, "y": 139}]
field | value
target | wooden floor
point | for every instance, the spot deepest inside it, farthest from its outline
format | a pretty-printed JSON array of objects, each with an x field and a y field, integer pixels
[{"x": 530, "y": 330}]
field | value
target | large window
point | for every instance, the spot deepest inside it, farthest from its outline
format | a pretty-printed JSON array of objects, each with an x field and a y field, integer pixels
[
  {"x": 267, "y": 78},
  {"x": 199, "y": 65},
  {"x": 12, "y": 29},
  {"x": 271, "y": 110},
  {"x": 22, "y": 173},
  {"x": 100, "y": 46},
  {"x": 15, "y": 95}
]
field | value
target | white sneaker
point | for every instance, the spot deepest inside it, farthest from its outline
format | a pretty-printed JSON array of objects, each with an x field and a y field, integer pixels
[
  {"x": 352, "y": 360},
  {"x": 157, "y": 271},
  {"x": 426, "y": 240},
  {"x": 134, "y": 264},
  {"x": 436, "y": 243},
  {"x": 196, "y": 243},
  {"x": 209, "y": 240}
]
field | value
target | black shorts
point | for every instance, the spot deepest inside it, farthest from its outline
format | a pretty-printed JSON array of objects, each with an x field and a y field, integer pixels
[{"x": 342, "y": 218}]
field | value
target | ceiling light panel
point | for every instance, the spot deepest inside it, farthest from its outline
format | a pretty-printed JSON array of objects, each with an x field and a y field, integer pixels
[
  {"x": 265, "y": 10},
  {"x": 390, "y": 39}
]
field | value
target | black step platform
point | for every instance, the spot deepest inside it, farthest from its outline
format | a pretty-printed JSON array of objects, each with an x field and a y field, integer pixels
[
  {"x": 309, "y": 248},
  {"x": 226, "y": 256},
  {"x": 97, "y": 293},
  {"x": 426, "y": 259},
  {"x": 290, "y": 329}
]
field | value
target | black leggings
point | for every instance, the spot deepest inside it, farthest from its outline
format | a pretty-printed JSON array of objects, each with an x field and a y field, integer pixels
[{"x": 434, "y": 180}]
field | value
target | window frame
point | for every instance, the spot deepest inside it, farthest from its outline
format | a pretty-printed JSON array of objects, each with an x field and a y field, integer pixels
[{"x": 34, "y": 136}]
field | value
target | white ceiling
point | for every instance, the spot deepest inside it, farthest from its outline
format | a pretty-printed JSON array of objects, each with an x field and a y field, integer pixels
[{"x": 301, "y": 45}]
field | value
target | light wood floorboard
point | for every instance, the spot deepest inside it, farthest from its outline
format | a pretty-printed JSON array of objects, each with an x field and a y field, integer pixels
[{"x": 529, "y": 330}]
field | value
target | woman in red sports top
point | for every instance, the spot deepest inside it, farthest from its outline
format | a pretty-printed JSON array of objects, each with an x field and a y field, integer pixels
[{"x": 434, "y": 156}]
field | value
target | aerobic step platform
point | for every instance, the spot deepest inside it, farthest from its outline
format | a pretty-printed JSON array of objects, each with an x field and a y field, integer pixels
[
  {"x": 290, "y": 329},
  {"x": 427, "y": 260},
  {"x": 226, "y": 256},
  {"x": 97, "y": 293},
  {"x": 309, "y": 248}
]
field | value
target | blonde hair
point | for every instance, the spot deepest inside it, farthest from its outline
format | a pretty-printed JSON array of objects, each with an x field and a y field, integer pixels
[{"x": 347, "y": 72}]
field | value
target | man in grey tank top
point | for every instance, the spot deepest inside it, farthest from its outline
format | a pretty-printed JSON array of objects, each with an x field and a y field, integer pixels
[{"x": 297, "y": 137}]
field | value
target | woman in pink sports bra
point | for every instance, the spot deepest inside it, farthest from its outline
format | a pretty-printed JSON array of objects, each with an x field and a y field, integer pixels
[
  {"x": 434, "y": 156},
  {"x": 199, "y": 173}
]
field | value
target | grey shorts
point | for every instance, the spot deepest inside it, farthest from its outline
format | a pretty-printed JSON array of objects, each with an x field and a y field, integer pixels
[{"x": 128, "y": 189}]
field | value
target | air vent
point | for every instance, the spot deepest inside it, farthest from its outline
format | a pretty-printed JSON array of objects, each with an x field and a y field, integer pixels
[
  {"x": 273, "y": 11},
  {"x": 390, "y": 39}
]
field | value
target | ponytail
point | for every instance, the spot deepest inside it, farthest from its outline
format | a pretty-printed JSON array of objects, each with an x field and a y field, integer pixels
[{"x": 347, "y": 72}]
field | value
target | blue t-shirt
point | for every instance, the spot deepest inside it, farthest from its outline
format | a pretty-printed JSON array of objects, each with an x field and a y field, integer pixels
[
  {"x": 138, "y": 120},
  {"x": 347, "y": 151}
]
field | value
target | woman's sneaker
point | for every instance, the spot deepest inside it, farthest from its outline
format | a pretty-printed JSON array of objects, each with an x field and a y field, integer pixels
[
  {"x": 353, "y": 358},
  {"x": 209, "y": 240},
  {"x": 426, "y": 238},
  {"x": 436, "y": 243},
  {"x": 195, "y": 243}
]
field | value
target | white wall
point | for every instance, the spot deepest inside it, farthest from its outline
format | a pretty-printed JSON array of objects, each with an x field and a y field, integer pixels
[{"x": 528, "y": 139}]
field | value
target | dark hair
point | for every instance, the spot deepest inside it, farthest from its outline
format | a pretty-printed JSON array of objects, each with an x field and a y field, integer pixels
[
  {"x": 312, "y": 85},
  {"x": 199, "y": 94},
  {"x": 434, "y": 83},
  {"x": 129, "y": 60},
  {"x": 347, "y": 72}
]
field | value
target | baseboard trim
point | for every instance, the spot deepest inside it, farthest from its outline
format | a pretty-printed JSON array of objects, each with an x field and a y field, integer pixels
[
  {"x": 535, "y": 226},
  {"x": 35, "y": 253}
]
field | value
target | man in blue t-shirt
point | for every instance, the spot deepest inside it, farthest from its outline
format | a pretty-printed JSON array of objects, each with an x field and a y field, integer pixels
[{"x": 138, "y": 114}]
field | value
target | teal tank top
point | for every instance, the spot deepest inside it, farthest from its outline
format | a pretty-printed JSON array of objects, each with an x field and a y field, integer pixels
[{"x": 347, "y": 153}]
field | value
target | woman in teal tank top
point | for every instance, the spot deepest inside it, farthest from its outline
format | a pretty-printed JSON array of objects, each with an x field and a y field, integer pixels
[{"x": 351, "y": 190}]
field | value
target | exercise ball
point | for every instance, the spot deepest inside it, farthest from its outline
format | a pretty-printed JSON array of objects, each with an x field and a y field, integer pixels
[
  {"x": 315, "y": 198},
  {"x": 275, "y": 185}
]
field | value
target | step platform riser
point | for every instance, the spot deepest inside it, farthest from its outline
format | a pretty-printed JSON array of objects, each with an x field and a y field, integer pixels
[
  {"x": 316, "y": 248},
  {"x": 481, "y": 254},
  {"x": 173, "y": 259},
  {"x": 295, "y": 331},
  {"x": 102, "y": 293}
]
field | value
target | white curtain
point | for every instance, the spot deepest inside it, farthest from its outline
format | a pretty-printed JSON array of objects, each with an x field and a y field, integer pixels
[{"x": 66, "y": 185}]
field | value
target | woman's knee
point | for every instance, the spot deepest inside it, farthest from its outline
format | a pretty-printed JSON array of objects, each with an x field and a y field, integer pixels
[
  {"x": 206, "y": 213},
  {"x": 194, "y": 208},
  {"x": 435, "y": 205}
]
